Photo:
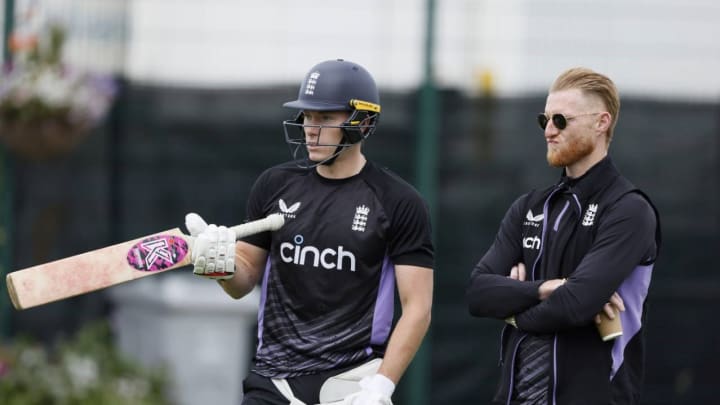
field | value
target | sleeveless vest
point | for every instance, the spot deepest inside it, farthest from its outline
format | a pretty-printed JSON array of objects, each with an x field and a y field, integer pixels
[{"x": 573, "y": 242}]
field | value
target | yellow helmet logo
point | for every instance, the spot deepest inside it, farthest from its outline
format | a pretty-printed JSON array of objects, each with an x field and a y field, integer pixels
[{"x": 364, "y": 105}]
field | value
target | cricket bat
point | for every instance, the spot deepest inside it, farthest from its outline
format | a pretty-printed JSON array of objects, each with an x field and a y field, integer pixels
[{"x": 113, "y": 265}]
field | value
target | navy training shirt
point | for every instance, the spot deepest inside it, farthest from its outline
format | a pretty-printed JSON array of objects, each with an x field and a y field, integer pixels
[{"x": 328, "y": 287}]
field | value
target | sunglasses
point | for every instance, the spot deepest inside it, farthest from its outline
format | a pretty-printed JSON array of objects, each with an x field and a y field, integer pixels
[{"x": 560, "y": 121}]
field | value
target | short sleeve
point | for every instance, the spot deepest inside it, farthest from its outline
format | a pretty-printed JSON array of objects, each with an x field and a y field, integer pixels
[
  {"x": 256, "y": 209},
  {"x": 410, "y": 239}
]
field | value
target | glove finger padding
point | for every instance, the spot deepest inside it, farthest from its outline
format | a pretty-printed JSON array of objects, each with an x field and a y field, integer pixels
[
  {"x": 195, "y": 224},
  {"x": 214, "y": 253}
]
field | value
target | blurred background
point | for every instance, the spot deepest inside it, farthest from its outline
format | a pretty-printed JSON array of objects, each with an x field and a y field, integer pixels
[{"x": 119, "y": 117}]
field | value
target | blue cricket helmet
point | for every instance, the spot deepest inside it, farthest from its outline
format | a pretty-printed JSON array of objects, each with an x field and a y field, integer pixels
[{"x": 333, "y": 85}]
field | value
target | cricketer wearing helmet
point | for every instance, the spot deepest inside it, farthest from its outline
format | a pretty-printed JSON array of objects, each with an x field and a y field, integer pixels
[
  {"x": 354, "y": 234},
  {"x": 346, "y": 87}
]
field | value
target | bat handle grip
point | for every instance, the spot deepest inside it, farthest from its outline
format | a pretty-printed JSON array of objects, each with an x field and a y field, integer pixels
[{"x": 270, "y": 223}]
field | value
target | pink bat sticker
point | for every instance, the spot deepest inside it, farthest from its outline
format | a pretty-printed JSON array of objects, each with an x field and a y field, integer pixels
[{"x": 157, "y": 252}]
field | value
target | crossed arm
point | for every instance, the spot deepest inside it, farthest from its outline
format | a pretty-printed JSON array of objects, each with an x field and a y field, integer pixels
[
  {"x": 518, "y": 272},
  {"x": 544, "y": 306}
]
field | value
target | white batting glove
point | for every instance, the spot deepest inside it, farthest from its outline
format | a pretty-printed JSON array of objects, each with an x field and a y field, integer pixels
[
  {"x": 376, "y": 390},
  {"x": 213, "y": 253}
]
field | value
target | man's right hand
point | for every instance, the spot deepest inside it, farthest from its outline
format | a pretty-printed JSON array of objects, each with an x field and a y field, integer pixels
[
  {"x": 213, "y": 253},
  {"x": 548, "y": 287},
  {"x": 517, "y": 272}
]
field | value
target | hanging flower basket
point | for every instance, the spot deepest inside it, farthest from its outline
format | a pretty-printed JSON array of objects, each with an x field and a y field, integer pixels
[
  {"x": 42, "y": 140},
  {"x": 46, "y": 107}
]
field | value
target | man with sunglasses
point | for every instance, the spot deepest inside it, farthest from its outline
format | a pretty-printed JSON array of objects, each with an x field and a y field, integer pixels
[
  {"x": 353, "y": 233},
  {"x": 566, "y": 254}
]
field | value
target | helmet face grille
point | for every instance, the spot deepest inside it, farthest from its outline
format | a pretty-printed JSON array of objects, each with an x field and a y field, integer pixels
[{"x": 356, "y": 128}]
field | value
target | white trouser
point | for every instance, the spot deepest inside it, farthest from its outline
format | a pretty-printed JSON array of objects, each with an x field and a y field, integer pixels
[{"x": 336, "y": 388}]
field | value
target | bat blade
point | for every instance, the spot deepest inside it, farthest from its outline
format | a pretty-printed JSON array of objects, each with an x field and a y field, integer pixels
[
  {"x": 98, "y": 269},
  {"x": 112, "y": 265}
]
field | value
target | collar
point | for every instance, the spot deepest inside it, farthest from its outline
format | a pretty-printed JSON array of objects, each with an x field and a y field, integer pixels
[
  {"x": 595, "y": 179},
  {"x": 367, "y": 166}
]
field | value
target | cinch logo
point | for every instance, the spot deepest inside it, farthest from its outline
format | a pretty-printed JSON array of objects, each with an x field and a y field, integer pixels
[
  {"x": 533, "y": 220},
  {"x": 289, "y": 212},
  {"x": 310, "y": 255},
  {"x": 311, "y": 83},
  {"x": 589, "y": 217},
  {"x": 531, "y": 243}
]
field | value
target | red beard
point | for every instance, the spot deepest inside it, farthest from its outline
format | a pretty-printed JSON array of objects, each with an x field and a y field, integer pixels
[{"x": 573, "y": 150}]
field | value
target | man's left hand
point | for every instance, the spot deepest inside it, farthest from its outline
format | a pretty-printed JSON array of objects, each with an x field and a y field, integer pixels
[
  {"x": 376, "y": 390},
  {"x": 615, "y": 304}
]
